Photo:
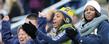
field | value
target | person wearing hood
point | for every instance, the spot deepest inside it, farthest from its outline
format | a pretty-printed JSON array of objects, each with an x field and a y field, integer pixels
[
  {"x": 26, "y": 33},
  {"x": 94, "y": 26}
]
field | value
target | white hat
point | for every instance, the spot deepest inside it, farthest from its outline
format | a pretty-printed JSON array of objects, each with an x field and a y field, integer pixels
[{"x": 95, "y": 4}]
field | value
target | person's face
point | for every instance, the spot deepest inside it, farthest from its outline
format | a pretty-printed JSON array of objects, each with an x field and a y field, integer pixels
[
  {"x": 89, "y": 13},
  {"x": 57, "y": 19},
  {"x": 22, "y": 36},
  {"x": 34, "y": 22}
]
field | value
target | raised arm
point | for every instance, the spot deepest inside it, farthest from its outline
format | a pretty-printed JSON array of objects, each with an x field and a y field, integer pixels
[{"x": 6, "y": 31}]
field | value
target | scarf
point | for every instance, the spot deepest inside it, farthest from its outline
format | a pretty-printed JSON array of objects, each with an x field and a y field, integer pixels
[{"x": 90, "y": 26}]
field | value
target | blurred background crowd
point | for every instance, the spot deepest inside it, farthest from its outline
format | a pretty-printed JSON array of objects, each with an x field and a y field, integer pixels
[{"x": 21, "y": 11}]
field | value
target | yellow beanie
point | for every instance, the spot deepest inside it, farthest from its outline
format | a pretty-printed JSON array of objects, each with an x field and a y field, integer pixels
[{"x": 68, "y": 11}]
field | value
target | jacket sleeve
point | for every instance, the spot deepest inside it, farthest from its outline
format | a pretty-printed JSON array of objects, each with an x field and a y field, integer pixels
[
  {"x": 6, "y": 31},
  {"x": 56, "y": 40},
  {"x": 42, "y": 23},
  {"x": 103, "y": 31}
]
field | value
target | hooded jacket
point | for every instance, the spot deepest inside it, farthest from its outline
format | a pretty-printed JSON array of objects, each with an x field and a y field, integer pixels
[{"x": 7, "y": 35}]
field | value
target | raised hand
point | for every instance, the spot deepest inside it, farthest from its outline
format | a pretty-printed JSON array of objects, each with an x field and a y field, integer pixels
[{"x": 6, "y": 18}]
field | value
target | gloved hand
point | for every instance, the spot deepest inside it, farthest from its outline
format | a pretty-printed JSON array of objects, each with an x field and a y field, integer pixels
[
  {"x": 72, "y": 34},
  {"x": 30, "y": 29},
  {"x": 70, "y": 30}
]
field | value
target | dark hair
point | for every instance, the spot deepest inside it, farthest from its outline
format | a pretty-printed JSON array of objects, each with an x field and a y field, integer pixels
[
  {"x": 4, "y": 1},
  {"x": 32, "y": 16},
  {"x": 66, "y": 16},
  {"x": 1, "y": 16},
  {"x": 51, "y": 17},
  {"x": 15, "y": 10},
  {"x": 96, "y": 12}
]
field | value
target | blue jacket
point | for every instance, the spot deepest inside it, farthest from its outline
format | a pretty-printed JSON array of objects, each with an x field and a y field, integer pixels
[
  {"x": 41, "y": 25},
  {"x": 50, "y": 40},
  {"x": 7, "y": 35},
  {"x": 42, "y": 37},
  {"x": 102, "y": 36},
  {"x": 103, "y": 32}
]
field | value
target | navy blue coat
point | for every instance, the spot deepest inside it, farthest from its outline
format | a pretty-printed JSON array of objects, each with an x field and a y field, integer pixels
[
  {"x": 102, "y": 36},
  {"x": 7, "y": 35}
]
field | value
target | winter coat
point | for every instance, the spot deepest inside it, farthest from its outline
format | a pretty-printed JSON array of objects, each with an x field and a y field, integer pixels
[
  {"x": 60, "y": 38},
  {"x": 7, "y": 36}
]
